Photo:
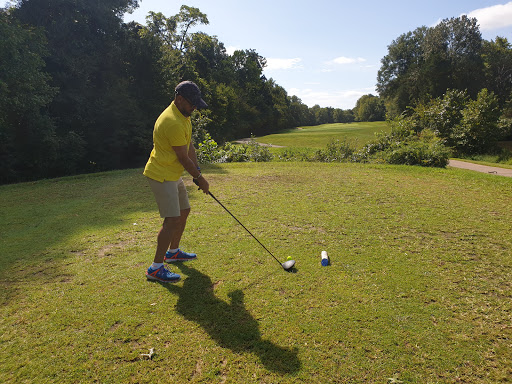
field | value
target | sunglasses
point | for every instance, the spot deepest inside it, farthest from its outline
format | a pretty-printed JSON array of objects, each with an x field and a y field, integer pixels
[{"x": 188, "y": 101}]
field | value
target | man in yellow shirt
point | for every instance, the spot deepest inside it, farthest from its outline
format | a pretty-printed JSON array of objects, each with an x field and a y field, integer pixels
[{"x": 173, "y": 152}]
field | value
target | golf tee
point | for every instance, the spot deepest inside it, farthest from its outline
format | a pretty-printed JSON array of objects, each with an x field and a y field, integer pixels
[{"x": 325, "y": 259}]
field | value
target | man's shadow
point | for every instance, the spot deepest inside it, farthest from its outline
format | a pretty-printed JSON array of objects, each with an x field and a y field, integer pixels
[{"x": 229, "y": 324}]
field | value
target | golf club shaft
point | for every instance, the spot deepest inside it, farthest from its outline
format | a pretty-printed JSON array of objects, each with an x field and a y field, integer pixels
[{"x": 238, "y": 221}]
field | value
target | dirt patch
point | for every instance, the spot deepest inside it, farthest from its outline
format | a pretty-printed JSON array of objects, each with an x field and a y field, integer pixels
[{"x": 108, "y": 250}]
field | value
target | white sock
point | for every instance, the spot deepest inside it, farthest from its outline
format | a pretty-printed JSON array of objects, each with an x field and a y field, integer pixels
[
  {"x": 174, "y": 250},
  {"x": 156, "y": 265}
]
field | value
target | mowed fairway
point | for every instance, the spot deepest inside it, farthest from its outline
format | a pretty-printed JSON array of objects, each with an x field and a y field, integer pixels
[
  {"x": 318, "y": 137},
  {"x": 419, "y": 288}
]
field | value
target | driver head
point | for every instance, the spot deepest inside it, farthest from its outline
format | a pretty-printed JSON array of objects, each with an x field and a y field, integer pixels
[{"x": 288, "y": 265}]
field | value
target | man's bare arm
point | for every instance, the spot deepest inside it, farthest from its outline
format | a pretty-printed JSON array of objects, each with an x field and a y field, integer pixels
[{"x": 183, "y": 153}]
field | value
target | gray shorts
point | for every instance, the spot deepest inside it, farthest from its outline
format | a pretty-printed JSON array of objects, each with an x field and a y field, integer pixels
[{"x": 171, "y": 197}]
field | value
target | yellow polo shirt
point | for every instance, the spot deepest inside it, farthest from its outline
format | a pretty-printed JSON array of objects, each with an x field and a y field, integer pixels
[{"x": 172, "y": 129}]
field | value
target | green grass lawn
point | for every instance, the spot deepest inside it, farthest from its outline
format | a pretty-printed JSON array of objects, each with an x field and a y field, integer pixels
[
  {"x": 419, "y": 287},
  {"x": 318, "y": 137}
]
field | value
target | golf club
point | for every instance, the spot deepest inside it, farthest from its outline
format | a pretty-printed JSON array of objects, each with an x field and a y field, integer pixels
[{"x": 287, "y": 265}]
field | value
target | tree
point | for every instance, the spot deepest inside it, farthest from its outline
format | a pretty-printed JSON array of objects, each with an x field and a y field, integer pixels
[
  {"x": 369, "y": 108},
  {"x": 478, "y": 130},
  {"x": 425, "y": 63},
  {"x": 343, "y": 116},
  {"x": 463, "y": 42},
  {"x": 208, "y": 58},
  {"x": 174, "y": 32},
  {"x": 442, "y": 114},
  {"x": 28, "y": 146},
  {"x": 398, "y": 77},
  {"x": 467, "y": 125},
  {"x": 300, "y": 114},
  {"x": 87, "y": 64},
  {"x": 281, "y": 117},
  {"x": 497, "y": 57},
  {"x": 96, "y": 85}
]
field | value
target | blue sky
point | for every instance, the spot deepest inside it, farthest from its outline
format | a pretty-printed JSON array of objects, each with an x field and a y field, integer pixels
[{"x": 328, "y": 52}]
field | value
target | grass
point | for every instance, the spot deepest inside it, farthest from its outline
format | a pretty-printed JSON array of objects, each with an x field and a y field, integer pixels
[
  {"x": 419, "y": 287},
  {"x": 317, "y": 137},
  {"x": 307, "y": 140}
]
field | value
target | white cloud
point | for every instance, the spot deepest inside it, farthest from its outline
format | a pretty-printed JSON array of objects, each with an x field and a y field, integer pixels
[
  {"x": 497, "y": 16},
  {"x": 344, "y": 99},
  {"x": 231, "y": 49},
  {"x": 346, "y": 60},
  {"x": 276, "y": 64}
]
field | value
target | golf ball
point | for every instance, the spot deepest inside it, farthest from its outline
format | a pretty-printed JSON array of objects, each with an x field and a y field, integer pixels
[{"x": 289, "y": 258}]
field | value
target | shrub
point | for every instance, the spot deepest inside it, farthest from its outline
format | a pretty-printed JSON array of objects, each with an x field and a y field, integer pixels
[
  {"x": 469, "y": 126},
  {"x": 235, "y": 153},
  {"x": 478, "y": 130},
  {"x": 425, "y": 149},
  {"x": 337, "y": 151},
  {"x": 209, "y": 152},
  {"x": 442, "y": 114},
  {"x": 294, "y": 155},
  {"x": 405, "y": 145},
  {"x": 257, "y": 152}
]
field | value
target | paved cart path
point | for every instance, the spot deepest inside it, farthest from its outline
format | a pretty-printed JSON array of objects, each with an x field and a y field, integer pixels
[{"x": 481, "y": 168}]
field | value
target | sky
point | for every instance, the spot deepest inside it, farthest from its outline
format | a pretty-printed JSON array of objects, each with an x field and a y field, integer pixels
[{"x": 327, "y": 52}]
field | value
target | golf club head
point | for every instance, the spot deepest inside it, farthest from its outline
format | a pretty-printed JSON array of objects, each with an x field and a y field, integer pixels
[{"x": 288, "y": 265}]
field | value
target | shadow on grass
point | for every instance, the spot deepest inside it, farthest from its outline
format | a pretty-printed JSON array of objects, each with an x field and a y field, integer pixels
[
  {"x": 229, "y": 324},
  {"x": 50, "y": 213}
]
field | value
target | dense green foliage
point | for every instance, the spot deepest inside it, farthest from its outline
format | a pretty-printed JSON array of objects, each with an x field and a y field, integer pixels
[
  {"x": 468, "y": 125},
  {"x": 370, "y": 108},
  {"x": 449, "y": 80},
  {"x": 81, "y": 89},
  {"x": 210, "y": 152},
  {"x": 426, "y": 62},
  {"x": 404, "y": 144},
  {"x": 431, "y": 132},
  {"x": 25, "y": 128}
]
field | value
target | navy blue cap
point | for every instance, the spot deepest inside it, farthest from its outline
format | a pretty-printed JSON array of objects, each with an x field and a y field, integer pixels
[{"x": 191, "y": 92}]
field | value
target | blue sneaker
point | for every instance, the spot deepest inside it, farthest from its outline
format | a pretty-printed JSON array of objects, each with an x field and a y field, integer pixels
[
  {"x": 162, "y": 274},
  {"x": 179, "y": 256}
]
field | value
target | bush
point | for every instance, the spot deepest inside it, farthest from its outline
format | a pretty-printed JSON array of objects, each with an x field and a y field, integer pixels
[
  {"x": 209, "y": 152},
  {"x": 425, "y": 149},
  {"x": 337, "y": 151},
  {"x": 469, "y": 126},
  {"x": 257, "y": 152},
  {"x": 404, "y": 145},
  {"x": 478, "y": 130},
  {"x": 294, "y": 155},
  {"x": 235, "y": 153}
]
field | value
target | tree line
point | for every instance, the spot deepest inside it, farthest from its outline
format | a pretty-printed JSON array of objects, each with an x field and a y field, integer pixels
[
  {"x": 429, "y": 62},
  {"x": 80, "y": 89}
]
